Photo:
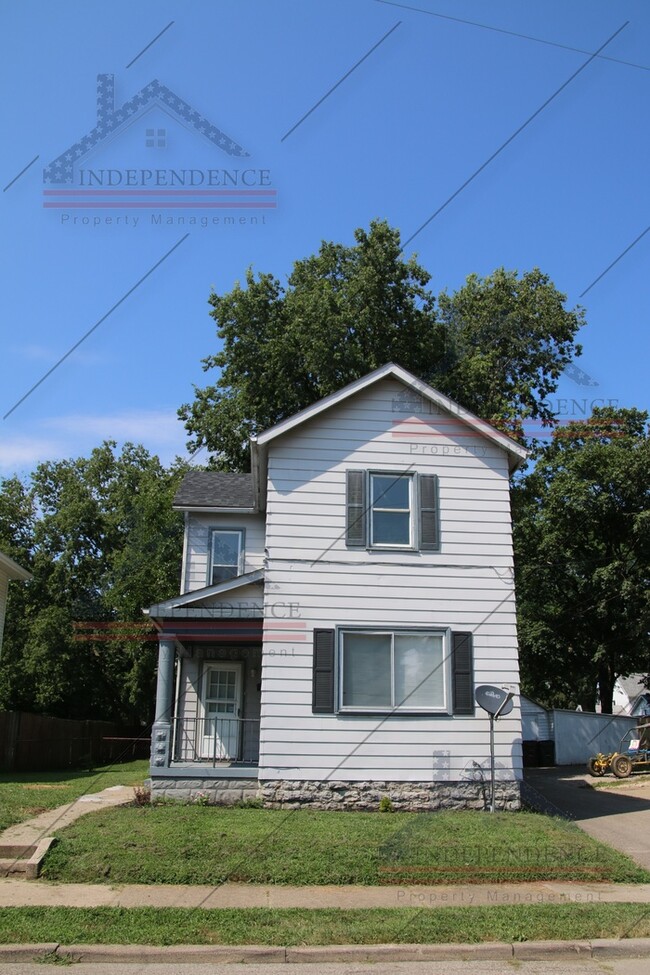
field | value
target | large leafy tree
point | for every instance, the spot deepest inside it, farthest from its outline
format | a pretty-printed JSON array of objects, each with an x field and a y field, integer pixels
[
  {"x": 582, "y": 545},
  {"x": 101, "y": 541},
  {"x": 498, "y": 345}
]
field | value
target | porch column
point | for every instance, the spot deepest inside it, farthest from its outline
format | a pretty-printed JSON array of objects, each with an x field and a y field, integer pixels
[{"x": 161, "y": 731}]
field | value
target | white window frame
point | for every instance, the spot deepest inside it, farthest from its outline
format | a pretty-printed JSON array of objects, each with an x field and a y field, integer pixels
[
  {"x": 240, "y": 556},
  {"x": 445, "y": 632},
  {"x": 412, "y": 542}
]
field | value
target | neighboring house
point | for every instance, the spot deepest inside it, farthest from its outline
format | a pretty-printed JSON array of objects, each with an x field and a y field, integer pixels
[
  {"x": 631, "y": 695},
  {"x": 8, "y": 570},
  {"x": 338, "y": 607}
]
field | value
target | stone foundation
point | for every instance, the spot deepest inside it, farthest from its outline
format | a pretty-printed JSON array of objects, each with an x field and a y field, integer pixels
[
  {"x": 349, "y": 796},
  {"x": 404, "y": 796},
  {"x": 221, "y": 792}
]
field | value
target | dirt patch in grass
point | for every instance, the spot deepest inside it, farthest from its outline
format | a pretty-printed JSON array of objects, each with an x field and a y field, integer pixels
[{"x": 38, "y": 786}]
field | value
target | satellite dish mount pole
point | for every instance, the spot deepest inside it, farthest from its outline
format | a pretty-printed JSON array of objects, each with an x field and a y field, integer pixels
[{"x": 493, "y": 718}]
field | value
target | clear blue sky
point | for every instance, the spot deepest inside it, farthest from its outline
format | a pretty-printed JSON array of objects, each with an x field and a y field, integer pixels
[{"x": 397, "y": 137}]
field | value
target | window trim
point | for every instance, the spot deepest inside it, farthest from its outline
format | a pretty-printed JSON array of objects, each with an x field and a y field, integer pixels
[
  {"x": 410, "y": 476},
  {"x": 214, "y": 529},
  {"x": 447, "y": 710},
  {"x": 424, "y": 510}
]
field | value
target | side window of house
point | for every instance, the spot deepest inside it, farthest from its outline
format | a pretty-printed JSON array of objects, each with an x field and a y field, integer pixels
[
  {"x": 392, "y": 510},
  {"x": 226, "y": 555}
]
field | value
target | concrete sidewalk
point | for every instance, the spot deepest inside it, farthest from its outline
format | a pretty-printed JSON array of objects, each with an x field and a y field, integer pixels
[
  {"x": 19, "y": 893},
  {"x": 33, "y": 830}
]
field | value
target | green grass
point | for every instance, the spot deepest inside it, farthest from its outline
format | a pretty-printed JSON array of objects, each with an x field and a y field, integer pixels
[
  {"x": 178, "y": 844},
  {"x": 26, "y": 794},
  {"x": 261, "y": 926}
]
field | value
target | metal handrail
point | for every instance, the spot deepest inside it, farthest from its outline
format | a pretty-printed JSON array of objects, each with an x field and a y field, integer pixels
[{"x": 216, "y": 740}]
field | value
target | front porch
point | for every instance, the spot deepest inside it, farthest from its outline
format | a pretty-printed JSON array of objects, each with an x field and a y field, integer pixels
[{"x": 206, "y": 734}]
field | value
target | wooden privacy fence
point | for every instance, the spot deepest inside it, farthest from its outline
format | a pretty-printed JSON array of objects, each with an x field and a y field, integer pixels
[{"x": 37, "y": 743}]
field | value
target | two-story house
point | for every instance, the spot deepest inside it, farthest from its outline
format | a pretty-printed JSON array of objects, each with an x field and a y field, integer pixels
[{"x": 339, "y": 605}]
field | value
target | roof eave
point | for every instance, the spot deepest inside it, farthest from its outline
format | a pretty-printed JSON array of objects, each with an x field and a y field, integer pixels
[
  {"x": 214, "y": 509},
  {"x": 14, "y": 571}
]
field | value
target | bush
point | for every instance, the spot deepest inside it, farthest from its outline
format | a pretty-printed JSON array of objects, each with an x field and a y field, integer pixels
[{"x": 141, "y": 795}]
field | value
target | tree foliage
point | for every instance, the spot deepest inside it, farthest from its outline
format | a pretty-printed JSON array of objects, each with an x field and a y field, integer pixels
[
  {"x": 498, "y": 345},
  {"x": 101, "y": 540},
  {"x": 582, "y": 546}
]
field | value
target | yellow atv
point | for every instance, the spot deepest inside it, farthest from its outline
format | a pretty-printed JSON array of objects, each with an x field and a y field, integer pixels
[{"x": 633, "y": 754}]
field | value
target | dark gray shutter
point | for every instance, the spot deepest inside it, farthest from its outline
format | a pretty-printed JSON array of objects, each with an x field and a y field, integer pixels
[
  {"x": 355, "y": 524},
  {"x": 429, "y": 534},
  {"x": 322, "y": 701},
  {"x": 463, "y": 673}
]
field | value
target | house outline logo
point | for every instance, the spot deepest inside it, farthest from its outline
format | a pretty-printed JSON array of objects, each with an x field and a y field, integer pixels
[{"x": 111, "y": 121}]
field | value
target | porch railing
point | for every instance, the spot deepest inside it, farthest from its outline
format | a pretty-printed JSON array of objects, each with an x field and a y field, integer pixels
[{"x": 216, "y": 740}]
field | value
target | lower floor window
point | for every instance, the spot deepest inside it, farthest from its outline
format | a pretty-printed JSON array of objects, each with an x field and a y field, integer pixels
[{"x": 387, "y": 670}]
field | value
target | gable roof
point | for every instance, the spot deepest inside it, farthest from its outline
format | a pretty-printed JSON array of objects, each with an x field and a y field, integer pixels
[
  {"x": 205, "y": 490},
  {"x": 515, "y": 450},
  {"x": 259, "y": 445},
  {"x": 12, "y": 570},
  {"x": 633, "y": 685},
  {"x": 110, "y": 120}
]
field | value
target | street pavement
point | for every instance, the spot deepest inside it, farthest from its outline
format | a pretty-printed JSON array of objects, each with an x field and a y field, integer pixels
[
  {"x": 619, "y": 816},
  {"x": 473, "y": 967}
]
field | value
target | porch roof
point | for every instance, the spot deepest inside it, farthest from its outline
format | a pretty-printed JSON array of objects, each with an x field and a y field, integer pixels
[{"x": 184, "y": 606}]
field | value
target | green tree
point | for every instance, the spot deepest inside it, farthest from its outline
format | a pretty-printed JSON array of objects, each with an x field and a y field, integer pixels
[
  {"x": 582, "y": 555},
  {"x": 102, "y": 542},
  {"x": 498, "y": 345}
]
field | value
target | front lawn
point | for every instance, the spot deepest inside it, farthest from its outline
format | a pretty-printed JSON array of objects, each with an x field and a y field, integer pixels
[
  {"x": 176, "y": 844},
  {"x": 260, "y": 926},
  {"x": 26, "y": 794}
]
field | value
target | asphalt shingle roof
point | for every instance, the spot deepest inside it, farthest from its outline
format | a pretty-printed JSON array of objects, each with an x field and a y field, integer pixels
[
  {"x": 633, "y": 685},
  {"x": 212, "y": 489}
]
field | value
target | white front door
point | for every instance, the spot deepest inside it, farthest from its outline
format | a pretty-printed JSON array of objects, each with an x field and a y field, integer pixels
[{"x": 222, "y": 709}]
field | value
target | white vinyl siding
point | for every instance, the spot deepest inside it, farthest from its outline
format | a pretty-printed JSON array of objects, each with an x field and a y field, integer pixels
[
  {"x": 467, "y": 585},
  {"x": 198, "y": 542}
]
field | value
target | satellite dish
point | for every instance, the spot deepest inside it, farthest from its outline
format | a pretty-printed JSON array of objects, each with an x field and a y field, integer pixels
[{"x": 493, "y": 699}]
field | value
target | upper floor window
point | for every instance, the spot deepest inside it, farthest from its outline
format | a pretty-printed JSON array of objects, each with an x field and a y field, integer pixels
[
  {"x": 227, "y": 554},
  {"x": 392, "y": 510},
  {"x": 391, "y": 521}
]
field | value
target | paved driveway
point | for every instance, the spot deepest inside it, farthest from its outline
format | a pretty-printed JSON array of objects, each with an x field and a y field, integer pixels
[{"x": 620, "y": 816}]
